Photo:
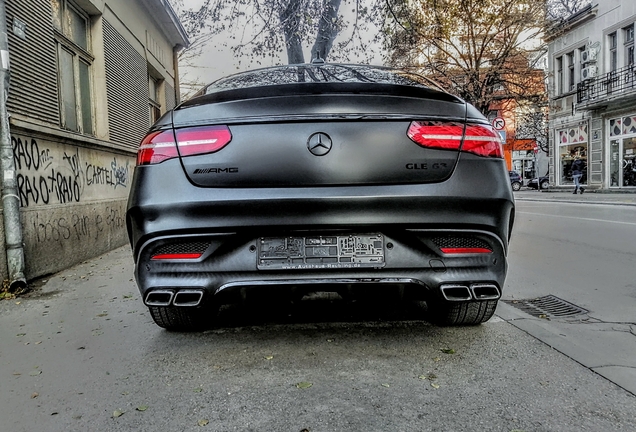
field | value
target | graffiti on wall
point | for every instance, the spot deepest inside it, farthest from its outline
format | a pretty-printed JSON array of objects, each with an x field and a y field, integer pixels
[
  {"x": 79, "y": 227},
  {"x": 48, "y": 175}
]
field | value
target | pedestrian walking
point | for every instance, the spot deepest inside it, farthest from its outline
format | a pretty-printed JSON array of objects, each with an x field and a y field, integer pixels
[{"x": 577, "y": 172}]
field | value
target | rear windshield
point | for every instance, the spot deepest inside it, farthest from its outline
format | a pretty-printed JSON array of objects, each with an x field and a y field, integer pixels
[{"x": 325, "y": 73}]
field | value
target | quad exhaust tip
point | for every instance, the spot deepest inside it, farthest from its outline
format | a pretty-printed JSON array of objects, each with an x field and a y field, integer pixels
[
  {"x": 485, "y": 291},
  {"x": 169, "y": 297},
  {"x": 456, "y": 292},
  {"x": 188, "y": 297},
  {"x": 159, "y": 298},
  {"x": 477, "y": 291}
]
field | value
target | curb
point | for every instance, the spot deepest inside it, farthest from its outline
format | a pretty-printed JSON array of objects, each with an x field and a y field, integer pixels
[{"x": 571, "y": 201}]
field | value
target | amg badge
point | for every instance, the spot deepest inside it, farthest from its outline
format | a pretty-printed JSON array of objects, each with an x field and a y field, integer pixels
[{"x": 232, "y": 170}]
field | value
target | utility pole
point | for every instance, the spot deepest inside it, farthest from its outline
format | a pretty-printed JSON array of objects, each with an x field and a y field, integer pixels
[{"x": 10, "y": 199}]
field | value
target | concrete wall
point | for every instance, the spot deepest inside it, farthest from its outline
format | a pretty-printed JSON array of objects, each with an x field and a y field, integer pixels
[
  {"x": 73, "y": 187},
  {"x": 73, "y": 199},
  {"x": 59, "y": 236}
]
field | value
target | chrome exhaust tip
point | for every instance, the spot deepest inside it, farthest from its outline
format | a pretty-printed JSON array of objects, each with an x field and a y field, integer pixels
[
  {"x": 455, "y": 292},
  {"x": 485, "y": 291},
  {"x": 160, "y": 297},
  {"x": 188, "y": 297}
]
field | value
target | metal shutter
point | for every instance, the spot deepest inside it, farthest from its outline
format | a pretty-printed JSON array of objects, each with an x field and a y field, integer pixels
[
  {"x": 126, "y": 89},
  {"x": 33, "y": 90},
  {"x": 170, "y": 99}
]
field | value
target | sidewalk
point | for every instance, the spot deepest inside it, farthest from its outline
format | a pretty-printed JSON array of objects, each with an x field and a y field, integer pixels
[{"x": 589, "y": 197}]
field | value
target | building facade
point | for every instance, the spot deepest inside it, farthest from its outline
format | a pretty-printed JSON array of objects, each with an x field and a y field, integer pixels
[
  {"x": 593, "y": 96},
  {"x": 88, "y": 77},
  {"x": 522, "y": 130}
]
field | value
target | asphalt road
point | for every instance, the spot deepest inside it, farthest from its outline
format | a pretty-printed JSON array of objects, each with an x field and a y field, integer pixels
[
  {"x": 81, "y": 349},
  {"x": 584, "y": 254}
]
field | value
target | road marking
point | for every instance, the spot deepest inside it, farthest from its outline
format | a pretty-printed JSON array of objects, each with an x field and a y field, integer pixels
[{"x": 579, "y": 218}]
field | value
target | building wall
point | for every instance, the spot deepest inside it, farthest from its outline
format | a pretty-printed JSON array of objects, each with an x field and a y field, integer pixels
[
  {"x": 73, "y": 184},
  {"x": 581, "y": 128},
  {"x": 521, "y": 140}
]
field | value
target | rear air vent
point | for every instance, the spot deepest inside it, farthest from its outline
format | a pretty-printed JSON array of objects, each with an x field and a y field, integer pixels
[
  {"x": 460, "y": 242},
  {"x": 461, "y": 245}
]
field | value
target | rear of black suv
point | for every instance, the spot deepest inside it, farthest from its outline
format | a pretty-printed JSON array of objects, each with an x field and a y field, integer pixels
[{"x": 349, "y": 187}]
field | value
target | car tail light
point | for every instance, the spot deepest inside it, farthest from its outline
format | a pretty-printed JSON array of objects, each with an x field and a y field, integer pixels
[
  {"x": 200, "y": 140},
  {"x": 159, "y": 146},
  {"x": 480, "y": 139}
]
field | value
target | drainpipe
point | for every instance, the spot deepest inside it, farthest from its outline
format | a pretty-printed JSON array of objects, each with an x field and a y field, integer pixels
[
  {"x": 175, "y": 66},
  {"x": 10, "y": 199}
]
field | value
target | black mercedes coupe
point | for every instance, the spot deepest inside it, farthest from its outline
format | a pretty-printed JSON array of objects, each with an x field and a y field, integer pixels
[{"x": 320, "y": 178}]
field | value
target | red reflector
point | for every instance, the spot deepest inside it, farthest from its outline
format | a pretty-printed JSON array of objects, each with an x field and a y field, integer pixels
[
  {"x": 157, "y": 147},
  {"x": 436, "y": 134},
  {"x": 177, "y": 256},
  {"x": 465, "y": 250},
  {"x": 200, "y": 140}
]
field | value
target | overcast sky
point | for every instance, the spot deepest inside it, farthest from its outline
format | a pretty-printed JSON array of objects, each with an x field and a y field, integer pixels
[{"x": 218, "y": 60}]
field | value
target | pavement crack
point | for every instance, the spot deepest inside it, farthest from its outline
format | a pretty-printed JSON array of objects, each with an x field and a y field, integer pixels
[{"x": 613, "y": 365}]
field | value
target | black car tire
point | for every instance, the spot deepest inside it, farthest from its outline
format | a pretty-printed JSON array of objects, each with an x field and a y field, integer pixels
[
  {"x": 445, "y": 313},
  {"x": 181, "y": 319},
  {"x": 516, "y": 186},
  {"x": 545, "y": 184}
]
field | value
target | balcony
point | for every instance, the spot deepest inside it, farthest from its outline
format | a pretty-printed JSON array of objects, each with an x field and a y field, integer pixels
[{"x": 610, "y": 87}]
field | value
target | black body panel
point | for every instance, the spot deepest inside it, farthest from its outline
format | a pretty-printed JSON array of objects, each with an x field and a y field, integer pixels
[
  {"x": 367, "y": 139},
  {"x": 477, "y": 196},
  {"x": 270, "y": 155}
]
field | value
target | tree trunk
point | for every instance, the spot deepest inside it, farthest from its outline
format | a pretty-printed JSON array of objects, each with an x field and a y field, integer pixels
[
  {"x": 327, "y": 31},
  {"x": 290, "y": 19}
]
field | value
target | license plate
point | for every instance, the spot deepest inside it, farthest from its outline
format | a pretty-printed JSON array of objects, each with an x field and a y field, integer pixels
[{"x": 321, "y": 252}]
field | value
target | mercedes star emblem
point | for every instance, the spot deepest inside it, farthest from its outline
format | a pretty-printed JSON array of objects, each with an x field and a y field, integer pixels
[{"x": 319, "y": 144}]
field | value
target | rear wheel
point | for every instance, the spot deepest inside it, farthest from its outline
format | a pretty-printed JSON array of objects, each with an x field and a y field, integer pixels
[
  {"x": 447, "y": 313},
  {"x": 545, "y": 184},
  {"x": 516, "y": 186},
  {"x": 182, "y": 318}
]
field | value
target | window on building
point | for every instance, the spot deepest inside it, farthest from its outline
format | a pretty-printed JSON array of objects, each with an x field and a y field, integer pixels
[
  {"x": 74, "y": 61},
  {"x": 559, "y": 75},
  {"x": 613, "y": 59},
  {"x": 572, "y": 145},
  {"x": 570, "y": 73},
  {"x": 154, "y": 105},
  {"x": 628, "y": 34}
]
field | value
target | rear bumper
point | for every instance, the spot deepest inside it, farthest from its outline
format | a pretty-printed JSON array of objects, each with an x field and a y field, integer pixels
[{"x": 414, "y": 266}]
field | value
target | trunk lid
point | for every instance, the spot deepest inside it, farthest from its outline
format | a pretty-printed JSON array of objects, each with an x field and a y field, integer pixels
[{"x": 326, "y": 139}]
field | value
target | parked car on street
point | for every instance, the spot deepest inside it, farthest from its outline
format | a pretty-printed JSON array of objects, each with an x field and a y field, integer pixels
[
  {"x": 544, "y": 181},
  {"x": 515, "y": 180},
  {"x": 320, "y": 177}
]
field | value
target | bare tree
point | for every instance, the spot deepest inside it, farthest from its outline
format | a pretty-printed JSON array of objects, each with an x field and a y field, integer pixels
[
  {"x": 532, "y": 124},
  {"x": 561, "y": 9},
  {"x": 260, "y": 29},
  {"x": 482, "y": 50}
]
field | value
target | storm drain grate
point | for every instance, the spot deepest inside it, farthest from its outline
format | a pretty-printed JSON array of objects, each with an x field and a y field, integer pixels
[{"x": 548, "y": 306}]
